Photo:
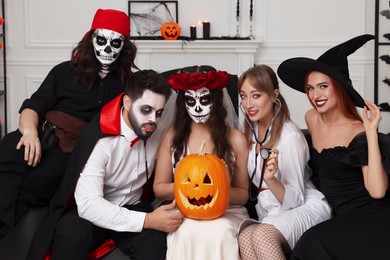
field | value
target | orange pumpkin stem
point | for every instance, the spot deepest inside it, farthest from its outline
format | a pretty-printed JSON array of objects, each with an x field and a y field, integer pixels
[{"x": 202, "y": 148}]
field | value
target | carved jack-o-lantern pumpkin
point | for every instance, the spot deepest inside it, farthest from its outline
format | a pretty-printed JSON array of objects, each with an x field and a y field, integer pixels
[
  {"x": 170, "y": 31},
  {"x": 202, "y": 186}
]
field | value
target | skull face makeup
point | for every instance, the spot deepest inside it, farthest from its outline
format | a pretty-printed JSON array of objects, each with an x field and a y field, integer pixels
[
  {"x": 198, "y": 104},
  {"x": 107, "y": 44}
]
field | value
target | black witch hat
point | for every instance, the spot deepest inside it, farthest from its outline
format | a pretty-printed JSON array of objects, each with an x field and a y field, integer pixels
[{"x": 333, "y": 63}]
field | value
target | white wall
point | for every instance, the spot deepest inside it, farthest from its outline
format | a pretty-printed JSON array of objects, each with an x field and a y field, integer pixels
[{"x": 41, "y": 33}]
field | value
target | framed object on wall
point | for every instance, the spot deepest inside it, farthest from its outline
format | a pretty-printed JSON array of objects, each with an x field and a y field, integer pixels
[
  {"x": 146, "y": 17},
  {"x": 382, "y": 54}
]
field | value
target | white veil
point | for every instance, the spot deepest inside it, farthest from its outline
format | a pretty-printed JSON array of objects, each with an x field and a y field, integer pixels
[
  {"x": 169, "y": 113},
  {"x": 231, "y": 117}
]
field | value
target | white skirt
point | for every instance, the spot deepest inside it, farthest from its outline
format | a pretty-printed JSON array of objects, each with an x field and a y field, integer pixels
[{"x": 207, "y": 239}]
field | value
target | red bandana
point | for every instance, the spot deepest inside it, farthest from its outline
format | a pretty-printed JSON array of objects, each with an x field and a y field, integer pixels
[{"x": 113, "y": 20}]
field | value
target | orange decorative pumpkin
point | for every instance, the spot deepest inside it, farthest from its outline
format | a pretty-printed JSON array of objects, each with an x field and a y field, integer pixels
[
  {"x": 202, "y": 186},
  {"x": 170, "y": 31}
]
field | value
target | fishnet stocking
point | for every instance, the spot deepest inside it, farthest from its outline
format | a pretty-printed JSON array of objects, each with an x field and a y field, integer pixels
[
  {"x": 245, "y": 243},
  {"x": 262, "y": 242}
]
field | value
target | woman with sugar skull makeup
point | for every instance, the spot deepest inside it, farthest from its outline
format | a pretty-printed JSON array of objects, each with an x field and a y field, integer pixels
[
  {"x": 34, "y": 157},
  {"x": 201, "y": 115}
]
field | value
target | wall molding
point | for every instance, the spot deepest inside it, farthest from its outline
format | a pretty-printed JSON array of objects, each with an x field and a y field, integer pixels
[
  {"x": 360, "y": 22},
  {"x": 33, "y": 82},
  {"x": 32, "y": 43}
]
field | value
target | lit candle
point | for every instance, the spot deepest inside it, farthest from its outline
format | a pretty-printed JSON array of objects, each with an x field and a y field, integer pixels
[
  {"x": 193, "y": 32},
  {"x": 251, "y": 9},
  {"x": 238, "y": 9},
  {"x": 206, "y": 30}
]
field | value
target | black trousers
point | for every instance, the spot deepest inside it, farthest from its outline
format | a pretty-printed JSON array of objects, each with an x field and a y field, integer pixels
[
  {"x": 76, "y": 237},
  {"x": 23, "y": 186}
]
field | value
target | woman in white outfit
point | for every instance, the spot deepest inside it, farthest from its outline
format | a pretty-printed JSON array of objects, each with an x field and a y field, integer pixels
[
  {"x": 287, "y": 202},
  {"x": 201, "y": 115}
]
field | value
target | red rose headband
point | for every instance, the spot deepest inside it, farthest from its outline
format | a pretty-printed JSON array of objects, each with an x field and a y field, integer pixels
[{"x": 196, "y": 80}]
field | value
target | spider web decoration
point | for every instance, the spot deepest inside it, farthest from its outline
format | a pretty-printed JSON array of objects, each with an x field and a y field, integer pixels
[{"x": 148, "y": 21}]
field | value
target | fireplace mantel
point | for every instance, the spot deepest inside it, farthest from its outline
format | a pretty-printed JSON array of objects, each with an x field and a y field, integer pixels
[{"x": 234, "y": 56}]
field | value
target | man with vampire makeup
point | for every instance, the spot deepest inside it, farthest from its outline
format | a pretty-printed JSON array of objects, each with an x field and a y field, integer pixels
[{"x": 111, "y": 163}]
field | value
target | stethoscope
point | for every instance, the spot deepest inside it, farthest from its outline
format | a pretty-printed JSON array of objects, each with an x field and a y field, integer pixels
[{"x": 264, "y": 152}]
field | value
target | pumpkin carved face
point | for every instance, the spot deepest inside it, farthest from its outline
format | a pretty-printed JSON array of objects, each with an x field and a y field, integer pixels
[
  {"x": 170, "y": 31},
  {"x": 202, "y": 186}
]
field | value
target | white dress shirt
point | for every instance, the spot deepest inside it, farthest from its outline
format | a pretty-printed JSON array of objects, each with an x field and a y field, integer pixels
[
  {"x": 113, "y": 177},
  {"x": 293, "y": 171},
  {"x": 303, "y": 205}
]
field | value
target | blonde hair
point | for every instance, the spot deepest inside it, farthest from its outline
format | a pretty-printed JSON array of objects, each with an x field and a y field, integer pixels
[{"x": 263, "y": 78}]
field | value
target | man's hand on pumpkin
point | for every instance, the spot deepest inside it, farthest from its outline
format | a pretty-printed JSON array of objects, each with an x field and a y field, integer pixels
[{"x": 165, "y": 218}]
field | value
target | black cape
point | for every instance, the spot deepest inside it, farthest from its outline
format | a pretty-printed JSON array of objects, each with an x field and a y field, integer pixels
[{"x": 63, "y": 200}]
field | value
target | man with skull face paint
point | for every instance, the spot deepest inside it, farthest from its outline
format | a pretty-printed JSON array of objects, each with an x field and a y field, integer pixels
[
  {"x": 201, "y": 115},
  {"x": 114, "y": 159},
  {"x": 108, "y": 45},
  {"x": 33, "y": 158}
]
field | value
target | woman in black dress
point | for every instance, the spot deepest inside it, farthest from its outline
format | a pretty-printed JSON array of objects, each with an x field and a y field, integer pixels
[{"x": 351, "y": 159}]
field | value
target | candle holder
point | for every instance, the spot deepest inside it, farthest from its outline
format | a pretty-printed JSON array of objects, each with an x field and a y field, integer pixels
[
  {"x": 251, "y": 28},
  {"x": 251, "y": 36},
  {"x": 237, "y": 27}
]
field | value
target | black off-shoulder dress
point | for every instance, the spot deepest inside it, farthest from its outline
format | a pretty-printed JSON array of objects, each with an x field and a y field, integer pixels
[{"x": 360, "y": 227}]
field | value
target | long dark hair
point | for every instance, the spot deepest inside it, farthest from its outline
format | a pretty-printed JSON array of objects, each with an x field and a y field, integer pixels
[
  {"x": 218, "y": 127},
  {"x": 83, "y": 59}
]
